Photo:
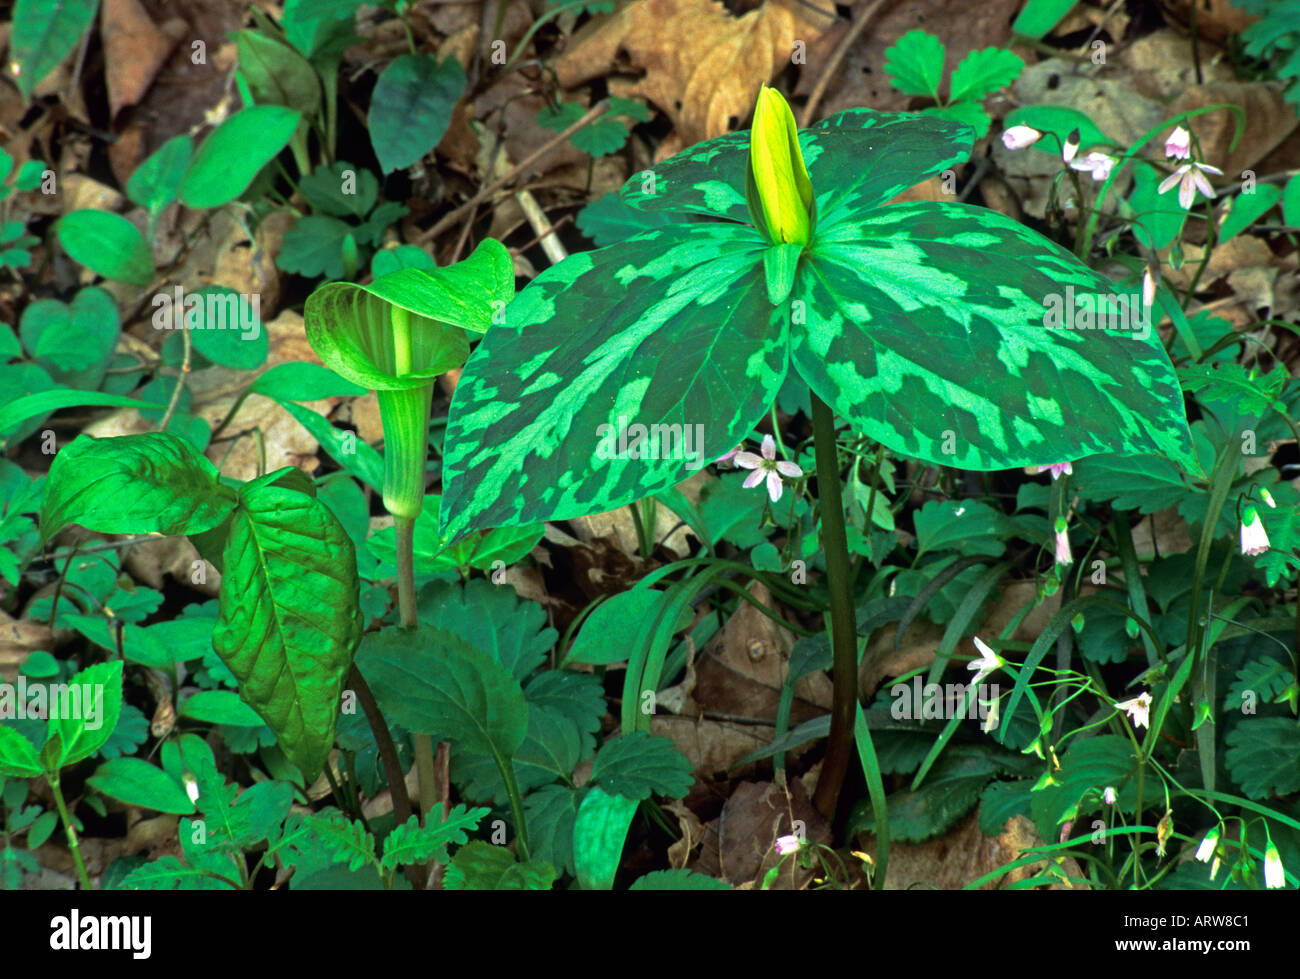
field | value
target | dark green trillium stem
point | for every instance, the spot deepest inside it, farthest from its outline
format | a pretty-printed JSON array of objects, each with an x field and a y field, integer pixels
[{"x": 844, "y": 630}]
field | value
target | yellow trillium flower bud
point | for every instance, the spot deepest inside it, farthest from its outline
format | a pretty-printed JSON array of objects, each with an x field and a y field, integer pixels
[{"x": 779, "y": 190}]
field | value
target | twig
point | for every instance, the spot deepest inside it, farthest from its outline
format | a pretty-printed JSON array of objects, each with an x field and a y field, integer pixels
[
  {"x": 833, "y": 65},
  {"x": 448, "y": 220}
]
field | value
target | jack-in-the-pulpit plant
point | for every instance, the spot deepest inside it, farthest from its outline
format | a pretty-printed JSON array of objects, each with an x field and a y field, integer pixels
[
  {"x": 921, "y": 323},
  {"x": 396, "y": 335}
]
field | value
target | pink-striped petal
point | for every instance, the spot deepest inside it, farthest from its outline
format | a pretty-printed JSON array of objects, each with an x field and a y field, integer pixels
[
  {"x": 754, "y": 478},
  {"x": 789, "y": 469},
  {"x": 774, "y": 486},
  {"x": 747, "y": 459},
  {"x": 769, "y": 447}
]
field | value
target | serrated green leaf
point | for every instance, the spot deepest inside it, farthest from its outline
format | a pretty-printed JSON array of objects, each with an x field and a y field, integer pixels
[
  {"x": 135, "y": 484},
  {"x": 412, "y": 843},
  {"x": 639, "y": 764},
  {"x": 289, "y": 617},
  {"x": 495, "y": 619},
  {"x": 1146, "y": 483},
  {"x": 966, "y": 525},
  {"x": 433, "y": 682},
  {"x": 313, "y": 247},
  {"x": 18, "y": 758},
  {"x": 915, "y": 63},
  {"x": 480, "y": 866},
  {"x": 1000, "y": 801},
  {"x": 551, "y": 812},
  {"x": 950, "y": 790},
  {"x": 89, "y": 711},
  {"x": 341, "y": 189},
  {"x": 1090, "y": 764},
  {"x": 1261, "y": 756},
  {"x": 983, "y": 72}
]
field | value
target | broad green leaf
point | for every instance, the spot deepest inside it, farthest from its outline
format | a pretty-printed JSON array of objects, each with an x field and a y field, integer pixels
[
  {"x": 717, "y": 373},
  {"x": 678, "y": 880},
  {"x": 938, "y": 343},
  {"x": 350, "y": 326},
  {"x": 1040, "y": 16},
  {"x": 138, "y": 783},
  {"x": 156, "y": 182},
  {"x": 233, "y": 154},
  {"x": 18, "y": 758},
  {"x": 321, "y": 29},
  {"x": 44, "y": 32},
  {"x": 411, "y": 107},
  {"x": 300, "y": 381},
  {"x": 915, "y": 64},
  {"x": 220, "y": 707},
  {"x": 1262, "y": 754},
  {"x": 639, "y": 764},
  {"x": 1246, "y": 209},
  {"x": 982, "y": 72},
  {"x": 88, "y": 711},
  {"x": 480, "y": 866},
  {"x": 412, "y": 843},
  {"x": 226, "y": 328},
  {"x": 107, "y": 244},
  {"x": 289, "y": 618},
  {"x": 609, "y": 633},
  {"x": 276, "y": 73},
  {"x": 135, "y": 484},
  {"x": 599, "y": 832},
  {"x": 433, "y": 682},
  {"x": 1291, "y": 202},
  {"x": 74, "y": 342}
]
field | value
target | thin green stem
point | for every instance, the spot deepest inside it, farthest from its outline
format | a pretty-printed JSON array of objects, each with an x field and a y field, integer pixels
[
  {"x": 405, "y": 528},
  {"x": 68, "y": 828},
  {"x": 843, "y": 619}
]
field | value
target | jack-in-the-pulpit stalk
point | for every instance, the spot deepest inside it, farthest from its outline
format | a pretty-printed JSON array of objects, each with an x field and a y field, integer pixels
[{"x": 396, "y": 335}]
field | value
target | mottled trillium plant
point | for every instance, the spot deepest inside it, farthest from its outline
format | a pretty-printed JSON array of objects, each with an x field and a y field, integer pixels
[{"x": 920, "y": 323}]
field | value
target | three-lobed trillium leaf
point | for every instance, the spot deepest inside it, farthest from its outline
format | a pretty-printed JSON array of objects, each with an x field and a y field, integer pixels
[{"x": 924, "y": 324}]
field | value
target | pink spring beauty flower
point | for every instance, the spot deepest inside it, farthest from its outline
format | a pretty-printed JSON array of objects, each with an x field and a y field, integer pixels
[
  {"x": 1057, "y": 469},
  {"x": 1018, "y": 137},
  {"x": 1190, "y": 177},
  {"x": 1179, "y": 145},
  {"x": 767, "y": 468},
  {"x": 1098, "y": 164}
]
